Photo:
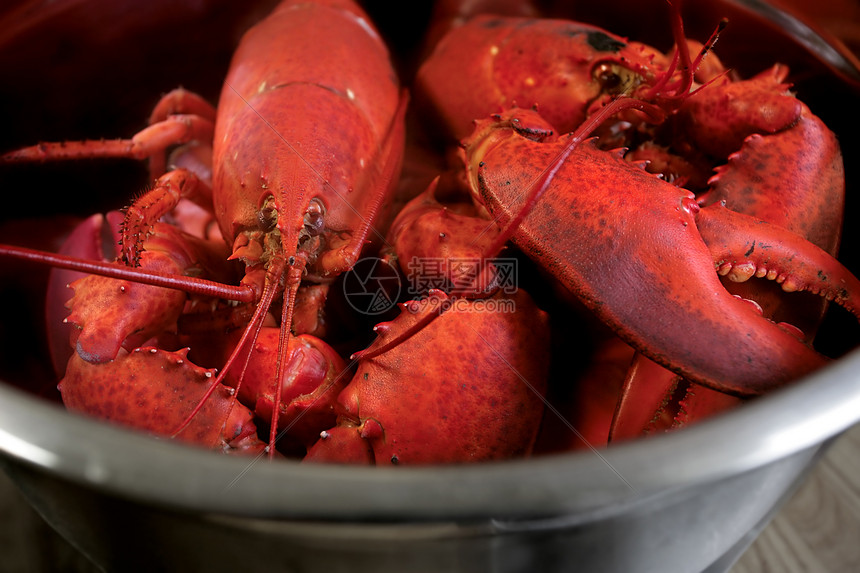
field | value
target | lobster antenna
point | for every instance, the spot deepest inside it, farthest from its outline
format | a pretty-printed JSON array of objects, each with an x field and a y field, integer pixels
[
  {"x": 654, "y": 90},
  {"x": 681, "y": 59},
  {"x": 191, "y": 285},
  {"x": 273, "y": 273},
  {"x": 709, "y": 45},
  {"x": 283, "y": 341},
  {"x": 681, "y": 48}
]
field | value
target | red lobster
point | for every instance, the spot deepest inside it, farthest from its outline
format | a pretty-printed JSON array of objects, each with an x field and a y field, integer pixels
[
  {"x": 289, "y": 223},
  {"x": 306, "y": 144},
  {"x": 631, "y": 235}
]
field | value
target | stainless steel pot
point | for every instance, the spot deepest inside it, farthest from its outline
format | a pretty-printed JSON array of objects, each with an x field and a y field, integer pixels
[
  {"x": 689, "y": 501},
  {"x": 678, "y": 502}
]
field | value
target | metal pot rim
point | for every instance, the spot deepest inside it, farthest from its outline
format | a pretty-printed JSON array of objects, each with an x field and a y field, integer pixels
[{"x": 132, "y": 465}]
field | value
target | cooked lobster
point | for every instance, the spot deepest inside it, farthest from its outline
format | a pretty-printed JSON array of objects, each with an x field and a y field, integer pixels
[
  {"x": 305, "y": 146},
  {"x": 298, "y": 162}
]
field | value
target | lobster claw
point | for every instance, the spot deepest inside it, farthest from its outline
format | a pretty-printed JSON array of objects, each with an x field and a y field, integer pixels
[
  {"x": 87, "y": 241},
  {"x": 131, "y": 391},
  {"x": 779, "y": 163},
  {"x": 407, "y": 406},
  {"x": 634, "y": 254}
]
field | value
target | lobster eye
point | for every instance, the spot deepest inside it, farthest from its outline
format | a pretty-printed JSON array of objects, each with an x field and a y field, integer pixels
[
  {"x": 614, "y": 79},
  {"x": 268, "y": 215},
  {"x": 315, "y": 218}
]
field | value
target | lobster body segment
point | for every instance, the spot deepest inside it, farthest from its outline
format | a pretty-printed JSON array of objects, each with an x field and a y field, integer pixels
[
  {"x": 562, "y": 67},
  {"x": 275, "y": 154},
  {"x": 333, "y": 121}
]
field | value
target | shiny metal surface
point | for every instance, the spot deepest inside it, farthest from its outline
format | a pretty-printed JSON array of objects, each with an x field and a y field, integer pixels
[
  {"x": 120, "y": 493},
  {"x": 122, "y": 462},
  {"x": 119, "y": 461}
]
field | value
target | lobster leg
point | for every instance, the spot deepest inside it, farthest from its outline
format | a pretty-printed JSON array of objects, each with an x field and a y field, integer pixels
[
  {"x": 179, "y": 117},
  {"x": 143, "y": 213},
  {"x": 654, "y": 399},
  {"x": 167, "y": 128},
  {"x": 178, "y": 102},
  {"x": 646, "y": 393},
  {"x": 150, "y": 141},
  {"x": 181, "y": 102}
]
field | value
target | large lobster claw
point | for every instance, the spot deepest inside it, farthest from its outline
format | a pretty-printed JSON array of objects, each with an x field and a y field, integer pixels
[
  {"x": 154, "y": 390},
  {"x": 628, "y": 244},
  {"x": 405, "y": 406}
]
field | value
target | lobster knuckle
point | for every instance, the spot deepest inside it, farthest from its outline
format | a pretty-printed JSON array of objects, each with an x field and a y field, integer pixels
[
  {"x": 108, "y": 311},
  {"x": 312, "y": 381},
  {"x": 461, "y": 240}
]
